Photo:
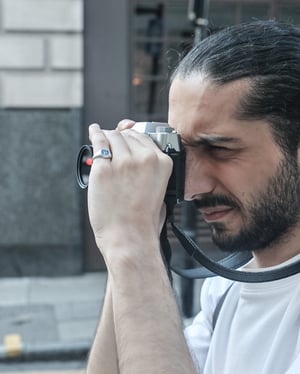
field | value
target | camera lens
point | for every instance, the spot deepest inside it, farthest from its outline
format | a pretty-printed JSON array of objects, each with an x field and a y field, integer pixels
[{"x": 84, "y": 163}]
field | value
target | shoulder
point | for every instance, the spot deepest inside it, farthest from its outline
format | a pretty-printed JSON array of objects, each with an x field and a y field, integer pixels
[{"x": 212, "y": 292}]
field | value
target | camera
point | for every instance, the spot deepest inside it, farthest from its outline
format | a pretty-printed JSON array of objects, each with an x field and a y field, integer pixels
[{"x": 166, "y": 138}]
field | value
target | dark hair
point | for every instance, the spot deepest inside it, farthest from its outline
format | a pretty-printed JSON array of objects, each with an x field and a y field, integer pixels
[{"x": 267, "y": 53}]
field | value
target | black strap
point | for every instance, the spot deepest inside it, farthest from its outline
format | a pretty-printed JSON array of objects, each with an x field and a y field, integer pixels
[
  {"x": 219, "y": 307},
  {"x": 165, "y": 250},
  {"x": 225, "y": 267}
]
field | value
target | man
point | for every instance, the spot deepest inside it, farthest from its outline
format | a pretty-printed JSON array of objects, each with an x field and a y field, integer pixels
[{"x": 234, "y": 99}]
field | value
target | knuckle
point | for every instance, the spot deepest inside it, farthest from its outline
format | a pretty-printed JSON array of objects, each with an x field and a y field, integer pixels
[
  {"x": 149, "y": 158},
  {"x": 125, "y": 124},
  {"x": 167, "y": 159}
]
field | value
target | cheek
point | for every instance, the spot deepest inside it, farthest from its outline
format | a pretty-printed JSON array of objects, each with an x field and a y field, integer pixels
[
  {"x": 255, "y": 177},
  {"x": 244, "y": 183}
]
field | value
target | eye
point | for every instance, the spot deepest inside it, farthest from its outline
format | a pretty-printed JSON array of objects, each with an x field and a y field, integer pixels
[
  {"x": 220, "y": 152},
  {"x": 216, "y": 148}
]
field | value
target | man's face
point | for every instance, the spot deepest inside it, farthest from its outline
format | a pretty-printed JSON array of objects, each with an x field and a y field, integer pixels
[{"x": 245, "y": 187}]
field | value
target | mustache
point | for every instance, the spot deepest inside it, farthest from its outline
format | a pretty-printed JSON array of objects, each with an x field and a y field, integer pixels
[{"x": 215, "y": 200}]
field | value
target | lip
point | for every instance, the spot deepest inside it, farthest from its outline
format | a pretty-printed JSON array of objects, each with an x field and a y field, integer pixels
[{"x": 212, "y": 214}]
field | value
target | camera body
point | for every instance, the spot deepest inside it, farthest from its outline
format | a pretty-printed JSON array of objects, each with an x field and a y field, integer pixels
[{"x": 166, "y": 139}]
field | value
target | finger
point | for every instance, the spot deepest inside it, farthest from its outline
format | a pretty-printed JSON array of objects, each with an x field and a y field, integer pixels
[
  {"x": 142, "y": 140},
  {"x": 118, "y": 144},
  {"x": 143, "y": 145},
  {"x": 94, "y": 128},
  {"x": 125, "y": 124},
  {"x": 98, "y": 138}
]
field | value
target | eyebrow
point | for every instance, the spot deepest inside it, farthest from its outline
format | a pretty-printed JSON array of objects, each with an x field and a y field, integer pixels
[{"x": 210, "y": 140}]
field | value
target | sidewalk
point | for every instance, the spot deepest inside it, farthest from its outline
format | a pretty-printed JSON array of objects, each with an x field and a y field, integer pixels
[
  {"x": 45, "y": 318},
  {"x": 50, "y": 318}
]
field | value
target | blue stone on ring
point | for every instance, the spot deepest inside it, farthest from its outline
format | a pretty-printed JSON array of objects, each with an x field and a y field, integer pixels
[{"x": 103, "y": 153}]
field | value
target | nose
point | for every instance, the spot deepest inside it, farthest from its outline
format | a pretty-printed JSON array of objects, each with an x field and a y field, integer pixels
[{"x": 199, "y": 176}]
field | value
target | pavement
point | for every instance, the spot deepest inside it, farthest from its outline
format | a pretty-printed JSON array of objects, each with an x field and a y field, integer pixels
[
  {"x": 51, "y": 318},
  {"x": 45, "y": 318}
]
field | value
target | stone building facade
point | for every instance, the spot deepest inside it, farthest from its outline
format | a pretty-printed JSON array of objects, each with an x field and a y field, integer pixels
[{"x": 41, "y": 86}]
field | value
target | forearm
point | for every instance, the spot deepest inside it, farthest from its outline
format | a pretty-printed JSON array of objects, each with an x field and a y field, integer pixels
[
  {"x": 147, "y": 323},
  {"x": 103, "y": 355},
  {"x": 126, "y": 195}
]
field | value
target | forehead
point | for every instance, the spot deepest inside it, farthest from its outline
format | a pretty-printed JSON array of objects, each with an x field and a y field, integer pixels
[{"x": 198, "y": 105}]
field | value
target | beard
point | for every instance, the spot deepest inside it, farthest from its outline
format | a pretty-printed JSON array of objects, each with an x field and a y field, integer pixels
[{"x": 269, "y": 214}]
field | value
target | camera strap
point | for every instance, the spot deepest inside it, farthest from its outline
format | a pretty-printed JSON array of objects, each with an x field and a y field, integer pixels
[{"x": 226, "y": 267}]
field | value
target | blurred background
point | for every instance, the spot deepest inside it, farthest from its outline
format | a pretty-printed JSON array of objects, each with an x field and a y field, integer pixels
[{"x": 63, "y": 65}]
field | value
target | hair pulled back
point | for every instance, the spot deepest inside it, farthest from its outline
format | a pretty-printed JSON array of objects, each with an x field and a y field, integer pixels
[{"x": 267, "y": 53}]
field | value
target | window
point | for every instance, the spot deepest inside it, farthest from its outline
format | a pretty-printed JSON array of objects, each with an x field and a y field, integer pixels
[
  {"x": 250, "y": 12},
  {"x": 289, "y": 13},
  {"x": 161, "y": 33}
]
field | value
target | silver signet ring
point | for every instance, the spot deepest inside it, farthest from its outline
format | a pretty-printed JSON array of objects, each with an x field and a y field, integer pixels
[{"x": 103, "y": 153}]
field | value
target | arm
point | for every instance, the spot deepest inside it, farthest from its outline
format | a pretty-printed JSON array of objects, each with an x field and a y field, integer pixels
[
  {"x": 104, "y": 350},
  {"x": 147, "y": 322},
  {"x": 125, "y": 202}
]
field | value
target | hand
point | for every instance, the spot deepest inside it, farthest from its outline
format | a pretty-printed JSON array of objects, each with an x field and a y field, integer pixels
[
  {"x": 126, "y": 193},
  {"x": 128, "y": 124}
]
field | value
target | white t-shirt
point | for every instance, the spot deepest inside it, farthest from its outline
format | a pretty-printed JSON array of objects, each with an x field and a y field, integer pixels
[{"x": 257, "y": 330}]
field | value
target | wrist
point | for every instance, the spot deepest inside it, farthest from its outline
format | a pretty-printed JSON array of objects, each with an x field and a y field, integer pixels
[{"x": 123, "y": 256}]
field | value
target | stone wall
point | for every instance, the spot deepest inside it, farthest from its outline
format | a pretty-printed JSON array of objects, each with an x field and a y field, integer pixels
[{"x": 40, "y": 132}]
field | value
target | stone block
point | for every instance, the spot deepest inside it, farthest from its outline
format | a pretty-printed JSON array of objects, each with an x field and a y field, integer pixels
[
  {"x": 81, "y": 329},
  {"x": 42, "y": 15},
  {"x": 21, "y": 260},
  {"x": 60, "y": 290},
  {"x": 40, "y": 201},
  {"x": 66, "y": 52},
  {"x": 78, "y": 310},
  {"x": 37, "y": 90},
  {"x": 14, "y": 291},
  {"x": 34, "y": 324},
  {"x": 21, "y": 52}
]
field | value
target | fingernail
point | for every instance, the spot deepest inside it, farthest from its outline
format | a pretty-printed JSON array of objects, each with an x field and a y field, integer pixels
[{"x": 95, "y": 125}]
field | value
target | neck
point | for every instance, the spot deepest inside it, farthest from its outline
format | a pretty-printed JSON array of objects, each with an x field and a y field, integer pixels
[{"x": 281, "y": 251}]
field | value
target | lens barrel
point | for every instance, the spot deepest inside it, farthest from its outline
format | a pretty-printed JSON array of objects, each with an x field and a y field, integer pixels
[{"x": 84, "y": 163}]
